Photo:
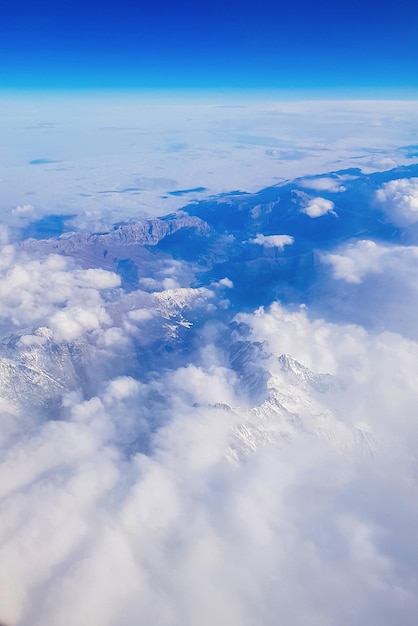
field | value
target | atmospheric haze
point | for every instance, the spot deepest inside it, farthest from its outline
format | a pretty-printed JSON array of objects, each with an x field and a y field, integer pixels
[{"x": 208, "y": 361}]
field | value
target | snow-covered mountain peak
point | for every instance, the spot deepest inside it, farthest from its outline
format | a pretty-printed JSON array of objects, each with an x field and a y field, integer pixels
[
  {"x": 299, "y": 402},
  {"x": 301, "y": 375}
]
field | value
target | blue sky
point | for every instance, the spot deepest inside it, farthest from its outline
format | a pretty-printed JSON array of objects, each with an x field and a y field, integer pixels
[{"x": 136, "y": 44}]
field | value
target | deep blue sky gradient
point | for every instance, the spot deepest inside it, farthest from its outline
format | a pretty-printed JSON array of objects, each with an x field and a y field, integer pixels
[{"x": 185, "y": 43}]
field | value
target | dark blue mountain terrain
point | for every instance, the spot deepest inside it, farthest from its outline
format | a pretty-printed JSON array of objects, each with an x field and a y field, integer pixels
[
  {"x": 202, "y": 266},
  {"x": 214, "y": 238}
]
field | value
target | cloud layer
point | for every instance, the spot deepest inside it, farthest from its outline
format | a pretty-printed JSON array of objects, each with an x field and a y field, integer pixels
[
  {"x": 143, "y": 148},
  {"x": 317, "y": 526},
  {"x": 172, "y": 456}
]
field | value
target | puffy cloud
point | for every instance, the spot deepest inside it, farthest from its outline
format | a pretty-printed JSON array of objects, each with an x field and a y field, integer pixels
[
  {"x": 318, "y": 345},
  {"x": 357, "y": 260},
  {"x": 73, "y": 322},
  {"x": 226, "y": 282},
  {"x": 93, "y": 528},
  {"x": 53, "y": 292},
  {"x": 273, "y": 241},
  {"x": 316, "y": 207},
  {"x": 371, "y": 283},
  {"x": 133, "y": 483},
  {"x": 399, "y": 201}
]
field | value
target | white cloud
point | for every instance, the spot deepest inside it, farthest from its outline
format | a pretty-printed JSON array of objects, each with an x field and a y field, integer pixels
[
  {"x": 316, "y": 344},
  {"x": 75, "y": 321},
  {"x": 357, "y": 261},
  {"x": 360, "y": 259},
  {"x": 316, "y": 207},
  {"x": 323, "y": 183},
  {"x": 140, "y": 315},
  {"x": 399, "y": 201},
  {"x": 24, "y": 210},
  {"x": 52, "y": 292},
  {"x": 373, "y": 284},
  {"x": 122, "y": 387},
  {"x": 226, "y": 282},
  {"x": 300, "y": 530},
  {"x": 273, "y": 241}
]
